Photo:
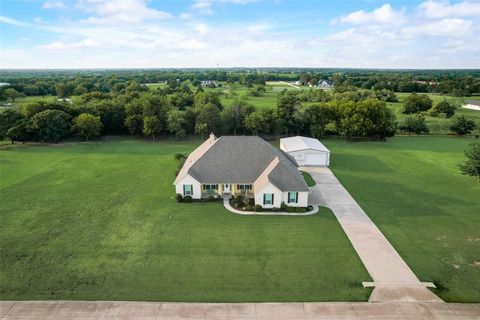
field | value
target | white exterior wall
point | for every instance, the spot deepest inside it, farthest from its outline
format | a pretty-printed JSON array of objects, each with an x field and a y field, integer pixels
[
  {"x": 277, "y": 196},
  {"x": 301, "y": 157},
  {"x": 302, "y": 199},
  {"x": 197, "y": 187}
]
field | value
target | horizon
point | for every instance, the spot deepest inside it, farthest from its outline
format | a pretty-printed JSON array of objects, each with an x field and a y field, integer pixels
[{"x": 141, "y": 34}]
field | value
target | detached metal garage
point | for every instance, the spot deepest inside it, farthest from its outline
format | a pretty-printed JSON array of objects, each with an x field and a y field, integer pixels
[{"x": 306, "y": 151}]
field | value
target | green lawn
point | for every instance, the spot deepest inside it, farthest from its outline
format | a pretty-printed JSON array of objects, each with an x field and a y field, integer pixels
[
  {"x": 439, "y": 125},
  {"x": 412, "y": 189},
  {"x": 97, "y": 221},
  {"x": 308, "y": 179}
]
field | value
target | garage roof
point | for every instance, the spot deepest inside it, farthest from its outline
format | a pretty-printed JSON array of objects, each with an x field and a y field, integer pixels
[{"x": 298, "y": 143}]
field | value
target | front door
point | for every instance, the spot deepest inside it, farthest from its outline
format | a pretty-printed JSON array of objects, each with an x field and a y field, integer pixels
[{"x": 226, "y": 187}]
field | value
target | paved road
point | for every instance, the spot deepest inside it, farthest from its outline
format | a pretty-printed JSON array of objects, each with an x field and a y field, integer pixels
[
  {"x": 107, "y": 310},
  {"x": 393, "y": 278}
]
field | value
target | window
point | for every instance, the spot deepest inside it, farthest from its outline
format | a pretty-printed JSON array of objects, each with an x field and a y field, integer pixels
[
  {"x": 244, "y": 187},
  {"x": 268, "y": 198},
  {"x": 292, "y": 197},
  {"x": 187, "y": 189},
  {"x": 209, "y": 188}
]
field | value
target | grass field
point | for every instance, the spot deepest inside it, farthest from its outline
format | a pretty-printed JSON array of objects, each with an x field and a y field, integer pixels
[
  {"x": 97, "y": 221},
  {"x": 412, "y": 189},
  {"x": 308, "y": 179},
  {"x": 439, "y": 125}
]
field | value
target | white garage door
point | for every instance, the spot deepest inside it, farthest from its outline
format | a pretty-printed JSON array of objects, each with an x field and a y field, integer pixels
[{"x": 316, "y": 159}]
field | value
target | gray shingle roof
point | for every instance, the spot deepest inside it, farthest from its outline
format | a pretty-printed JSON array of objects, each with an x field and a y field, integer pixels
[{"x": 241, "y": 159}]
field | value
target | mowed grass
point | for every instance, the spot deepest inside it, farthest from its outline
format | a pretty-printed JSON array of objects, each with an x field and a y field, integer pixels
[
  {"x": 308, "y": 179},
  {"x": 97, "y": 221},
  {"x": 439, "y": 125},
  {"x": 412, "y": 189}
]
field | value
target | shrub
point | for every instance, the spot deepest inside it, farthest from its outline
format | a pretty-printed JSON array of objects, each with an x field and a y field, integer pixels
[
  {"x": 283, "y": 206},
  {"x": 414, "y": 124},
  {"x": 258, "y": 208},
  {"x": 462, "y": 126},
  {"x": 211, "y": 198},
  {"x": 415, "y": 103},
  {"x": 187, "y": 199},
  {"x": 179, "y": 197},
  {"x": 443, "y": 108}
]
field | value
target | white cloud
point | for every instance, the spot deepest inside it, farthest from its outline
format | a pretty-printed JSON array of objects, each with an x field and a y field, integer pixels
[
  {"x": 60, "y": 45},
  {"x": 445, "y": 27},
  {"x": 442, "y": 9},
  {"x": 382, "y": 15},
  {"x": 120, "y": 12},
  {"x": 13, "y": 22},
  {"x": 258, "y": 27},
  {"x": 201, "y": 28},
  {"x": 201, "y": 4},
  {"x": 53, "y": 5}
]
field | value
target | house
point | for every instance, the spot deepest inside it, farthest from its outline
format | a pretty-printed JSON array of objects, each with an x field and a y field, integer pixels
[
  {"x": 306, "y": 151},
  {"x": 472, "y": 104},
  {"x": 324, "y": 84},
  {"x": 209, "y": 83},
  {"x": 242, "y": 165}
]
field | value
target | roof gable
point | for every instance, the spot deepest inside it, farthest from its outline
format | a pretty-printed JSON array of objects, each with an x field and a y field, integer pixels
[{"x": 298, "y": 143}]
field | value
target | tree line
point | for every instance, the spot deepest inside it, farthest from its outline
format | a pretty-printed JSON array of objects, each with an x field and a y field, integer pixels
[{"x": 180, "y": 110}]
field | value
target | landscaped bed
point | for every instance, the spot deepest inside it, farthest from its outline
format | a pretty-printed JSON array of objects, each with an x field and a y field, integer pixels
[{"x": 99, "y": 221}]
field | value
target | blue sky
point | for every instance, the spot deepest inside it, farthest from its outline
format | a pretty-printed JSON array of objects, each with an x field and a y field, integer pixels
[{"x": 245, "y": 33}]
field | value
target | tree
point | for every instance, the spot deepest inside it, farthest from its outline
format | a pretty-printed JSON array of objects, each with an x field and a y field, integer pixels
[
  {"x": 8, "y": 119},
  {"x": 443, "y": 108},
  {"x": 134, "y": 124},
  {"x": 414, "y": 124},
  {"x": 87, "y": 126},
  {"x": 18, "y": 132},
  {"x": 209, "y": 115},
  {"x": 13, "y": 94},
  {"x": 175, "y": 121},
  {"x": 471, "y": 166},
  {"x": 462, "y": 126},
  {"x": 152, "y": 126},
  {"x": 261, "y": 121},
  {"x": 415, "y": 103},
  {"x": 112, "y": 115},
  {"x": 287, "y": 103},
  {"x": 368, "y": 118},
  {"x": 31, "y": 90},
  {"x": 63, "y": 90},
  {"x": 50, "y": 125},
  {"x": 234, "y": 116},
  {"x": 201, "y": 128}
]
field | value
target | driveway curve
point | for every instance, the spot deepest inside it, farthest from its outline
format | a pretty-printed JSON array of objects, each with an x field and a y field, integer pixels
[{"x": 393, "y": 278}]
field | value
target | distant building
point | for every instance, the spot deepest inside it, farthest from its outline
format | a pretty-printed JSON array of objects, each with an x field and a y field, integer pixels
[
  {"x": 209, "y": 83},
  {"x": 324, "y": 84}
]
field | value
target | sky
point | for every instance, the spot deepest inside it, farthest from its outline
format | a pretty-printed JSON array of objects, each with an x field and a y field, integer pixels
[{"x": 392, "y": 34}]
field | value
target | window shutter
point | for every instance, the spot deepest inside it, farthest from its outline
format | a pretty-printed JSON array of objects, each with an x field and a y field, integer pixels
[
  {"x": 183, "y": 189},
  {"x": 264, "y": 198},
  {"x": 272, "y": 199},
  {"x": 296, "y": 197}
]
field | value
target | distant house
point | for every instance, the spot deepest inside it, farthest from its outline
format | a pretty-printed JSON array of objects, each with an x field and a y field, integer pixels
[
  {"x": 324, "y": 84},
  {"x": 472, "y": 104},
  {"x": 306, "y": 151},
  {"x": 242, "y": 165},
  {"x": 209, "y": 83}
]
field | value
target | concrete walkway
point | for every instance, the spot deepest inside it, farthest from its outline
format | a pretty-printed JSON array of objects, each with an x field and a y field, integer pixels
[
  {"x": 108, "y": 310},
  {"x": 227, "y": 205},
  {"x": 393, "y": 279}
]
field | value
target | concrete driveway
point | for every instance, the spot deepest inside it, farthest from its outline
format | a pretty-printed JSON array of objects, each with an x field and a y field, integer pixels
[{"x": 393, "y": 278}]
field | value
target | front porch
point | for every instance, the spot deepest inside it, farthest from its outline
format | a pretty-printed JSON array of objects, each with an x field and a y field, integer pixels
[{"x": 227, "y": 190}]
